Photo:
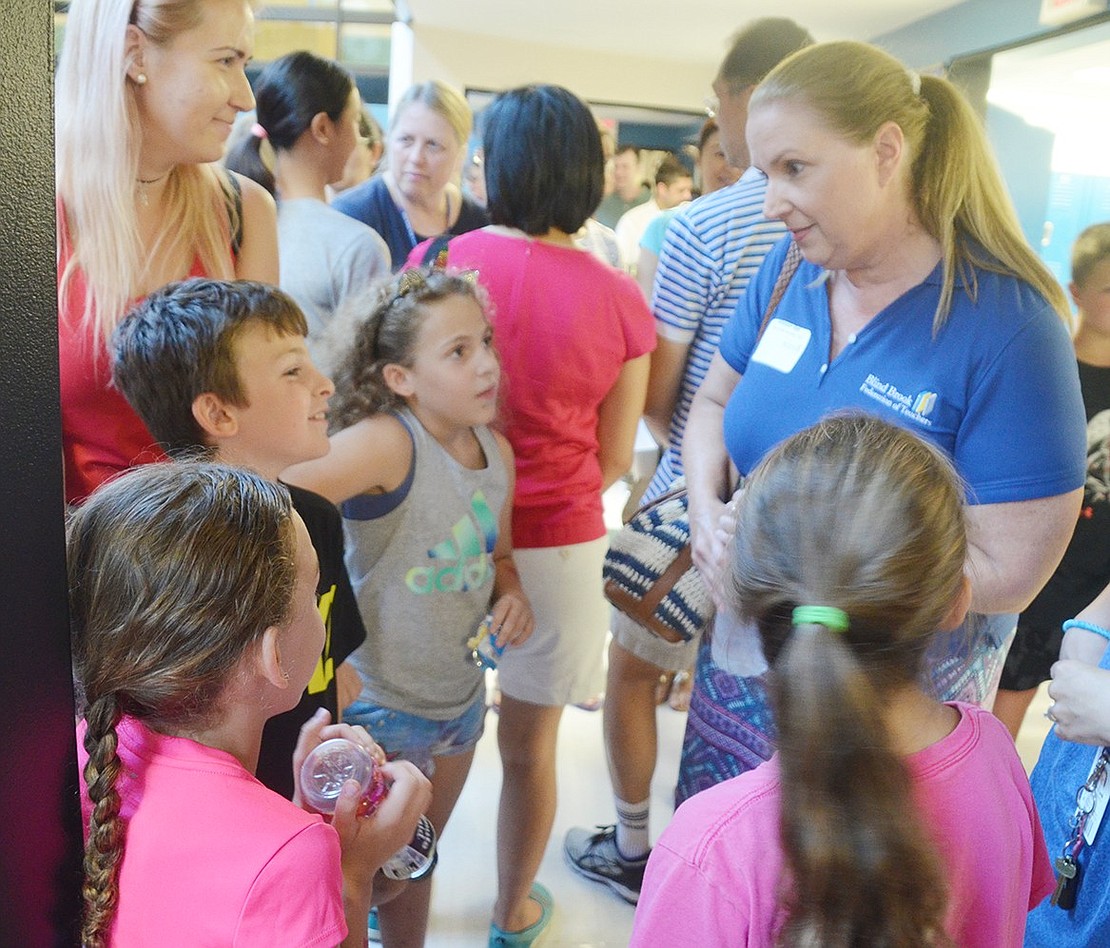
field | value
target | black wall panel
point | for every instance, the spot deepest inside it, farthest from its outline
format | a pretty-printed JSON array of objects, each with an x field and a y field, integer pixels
[{"x": 39, "y": 824}]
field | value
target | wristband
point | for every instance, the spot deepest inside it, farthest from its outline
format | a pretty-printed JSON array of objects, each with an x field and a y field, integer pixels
[{"x": 1086, "y": 627}]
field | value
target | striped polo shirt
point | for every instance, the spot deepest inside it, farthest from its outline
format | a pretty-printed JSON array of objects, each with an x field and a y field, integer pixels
[{"x": 711, "y": 249}]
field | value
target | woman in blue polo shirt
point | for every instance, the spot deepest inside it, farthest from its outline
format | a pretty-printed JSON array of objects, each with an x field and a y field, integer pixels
[{"x": 917, "y": 299}]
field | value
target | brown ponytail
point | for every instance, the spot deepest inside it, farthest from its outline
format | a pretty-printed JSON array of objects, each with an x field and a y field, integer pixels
[
  {"x": 864, "y": 871},
  {"x": 861, "y": 515}
]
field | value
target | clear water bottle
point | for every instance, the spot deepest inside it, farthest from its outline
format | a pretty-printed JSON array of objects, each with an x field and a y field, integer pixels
[{"x": 329, "y": 766}]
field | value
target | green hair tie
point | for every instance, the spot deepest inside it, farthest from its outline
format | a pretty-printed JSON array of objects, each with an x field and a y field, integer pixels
[{"x": 828, "y": 616}]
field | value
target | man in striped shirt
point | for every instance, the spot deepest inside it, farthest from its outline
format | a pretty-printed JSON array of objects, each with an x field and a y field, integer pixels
[{"x": 711, "y": 250}]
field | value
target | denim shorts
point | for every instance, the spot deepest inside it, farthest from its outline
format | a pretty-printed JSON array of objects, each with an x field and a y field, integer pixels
[{"x": 419, "y": 740}]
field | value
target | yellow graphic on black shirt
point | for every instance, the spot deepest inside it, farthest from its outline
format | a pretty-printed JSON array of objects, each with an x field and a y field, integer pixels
[{"x": 325, "y": 667}]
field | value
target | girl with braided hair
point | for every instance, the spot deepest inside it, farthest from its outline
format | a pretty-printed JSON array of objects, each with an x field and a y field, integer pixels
[{"x": 194, "y": 620}]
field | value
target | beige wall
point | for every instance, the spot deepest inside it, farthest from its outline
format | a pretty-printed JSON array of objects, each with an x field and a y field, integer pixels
[{"x": 470, "y": 59}]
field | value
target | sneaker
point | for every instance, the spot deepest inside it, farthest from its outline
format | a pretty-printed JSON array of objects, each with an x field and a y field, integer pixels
[
  {"x": 595, "y": 856},
  {"x": 373, "y": 930}
]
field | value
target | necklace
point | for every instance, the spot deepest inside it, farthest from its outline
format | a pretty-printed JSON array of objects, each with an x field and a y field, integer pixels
[{"x": 144, "y": 183}]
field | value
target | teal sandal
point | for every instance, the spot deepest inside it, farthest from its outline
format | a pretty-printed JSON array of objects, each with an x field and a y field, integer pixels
[{"x": 499, "y": 938}]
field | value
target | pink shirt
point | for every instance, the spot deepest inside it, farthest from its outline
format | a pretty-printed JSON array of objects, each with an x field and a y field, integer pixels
[
  {"x": 212, "y": 857},
  {"x": 713, "y": 878},
  {"x": 564, "y": 325}
]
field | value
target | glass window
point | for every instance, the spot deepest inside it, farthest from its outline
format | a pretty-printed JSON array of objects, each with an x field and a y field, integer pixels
[{"x": 1049, "y": 119}]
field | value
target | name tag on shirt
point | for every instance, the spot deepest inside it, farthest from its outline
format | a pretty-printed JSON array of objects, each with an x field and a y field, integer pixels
[{"x": 782, "y": 345}]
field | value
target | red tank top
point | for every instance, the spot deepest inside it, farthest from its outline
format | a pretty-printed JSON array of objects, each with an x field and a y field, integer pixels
[{"x": 101, "y": 434}]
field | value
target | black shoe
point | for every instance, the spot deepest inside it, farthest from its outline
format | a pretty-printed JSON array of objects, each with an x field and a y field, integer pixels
[{"x": 595, "y": 856}]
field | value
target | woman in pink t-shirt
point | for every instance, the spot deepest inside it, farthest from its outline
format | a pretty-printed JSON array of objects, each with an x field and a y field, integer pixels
[
  {"x": 193, "y": 606},
  {"x": 886, "y": 817},
  {"x": 574, "y": 336}
]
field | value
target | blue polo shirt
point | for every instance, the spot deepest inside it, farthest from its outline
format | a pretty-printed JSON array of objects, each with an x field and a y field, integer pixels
[{"x": 996, "y": 389}]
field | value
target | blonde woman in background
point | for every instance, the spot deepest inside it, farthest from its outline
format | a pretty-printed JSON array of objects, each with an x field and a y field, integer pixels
[
  {"x": 147, "y": 91},
  {"x": 416, "y": 196}
]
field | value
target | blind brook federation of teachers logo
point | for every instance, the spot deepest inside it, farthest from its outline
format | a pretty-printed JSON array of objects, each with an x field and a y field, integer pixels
[
  {"x": 917, "y": 407},
  {"x": 463, "y": 561}
]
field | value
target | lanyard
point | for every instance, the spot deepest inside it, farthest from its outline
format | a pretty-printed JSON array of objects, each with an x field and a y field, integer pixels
[
  {"x": 408, "y": 224},
  {"x": 1089, "y": 799}
]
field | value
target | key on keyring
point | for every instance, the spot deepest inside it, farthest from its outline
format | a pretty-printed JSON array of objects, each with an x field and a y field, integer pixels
[{"x": 1067, "y": 881}]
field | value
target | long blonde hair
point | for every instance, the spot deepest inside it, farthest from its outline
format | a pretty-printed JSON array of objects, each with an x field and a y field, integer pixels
[
  {"x": 957, "y": 190},
  {"x": 98, "y": 141}
]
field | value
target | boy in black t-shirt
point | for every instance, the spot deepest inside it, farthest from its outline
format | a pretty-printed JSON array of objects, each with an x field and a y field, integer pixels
[{"x": 221, "y": 368}]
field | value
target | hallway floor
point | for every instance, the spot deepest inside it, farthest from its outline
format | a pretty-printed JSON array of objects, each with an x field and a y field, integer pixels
[{"x": 587, "y": 915}]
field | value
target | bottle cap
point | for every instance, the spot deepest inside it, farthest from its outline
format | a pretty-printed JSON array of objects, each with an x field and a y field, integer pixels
[{"x": 329, "y": 766}]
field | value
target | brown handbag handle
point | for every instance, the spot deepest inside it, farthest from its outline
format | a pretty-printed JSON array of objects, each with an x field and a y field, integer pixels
[
  {"x": 786, "y": 274},
  {"x": 671, "y": 575}
]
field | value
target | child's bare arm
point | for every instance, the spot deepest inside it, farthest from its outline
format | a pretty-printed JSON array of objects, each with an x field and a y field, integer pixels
[
  {"x": 512, "y": 620},
  {"x": 348, "y": 685},
  {"x": 367, "y": 842},
  {"x": 372, "y": 456}
]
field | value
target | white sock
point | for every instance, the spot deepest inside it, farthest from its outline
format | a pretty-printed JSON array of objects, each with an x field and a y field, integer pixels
[{"x": 633, "y": 840}]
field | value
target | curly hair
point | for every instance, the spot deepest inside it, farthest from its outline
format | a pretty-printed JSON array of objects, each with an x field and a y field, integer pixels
[{"x": 368, "y": 335}]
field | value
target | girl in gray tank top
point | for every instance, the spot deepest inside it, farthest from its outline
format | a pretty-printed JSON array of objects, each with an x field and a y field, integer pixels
[{"x": 425, "y": 487}]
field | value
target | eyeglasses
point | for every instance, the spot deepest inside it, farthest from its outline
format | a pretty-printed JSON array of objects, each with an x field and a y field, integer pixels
[{"x": 712, "y": 106}]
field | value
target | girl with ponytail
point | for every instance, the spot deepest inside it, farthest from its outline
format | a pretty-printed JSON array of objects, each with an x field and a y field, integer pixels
[
  {"x": 886, "y": 817},
  {"x": 308, "y": 110}
]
